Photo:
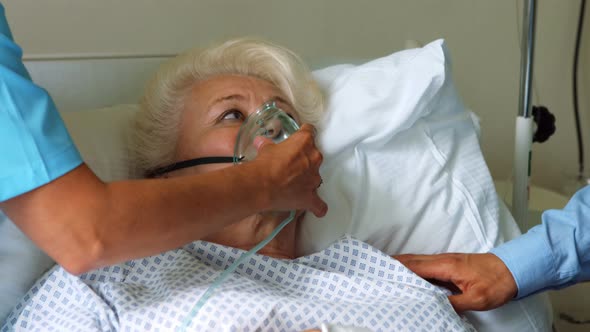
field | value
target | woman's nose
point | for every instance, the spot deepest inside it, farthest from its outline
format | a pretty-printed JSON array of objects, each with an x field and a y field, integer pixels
[{"x": 259, "y": 103}]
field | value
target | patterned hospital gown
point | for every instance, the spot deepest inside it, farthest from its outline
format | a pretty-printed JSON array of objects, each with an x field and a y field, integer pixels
[{"x": 349, "y": 283}]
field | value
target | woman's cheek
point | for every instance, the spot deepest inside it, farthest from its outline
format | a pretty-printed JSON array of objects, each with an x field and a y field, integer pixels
[{"x": 218, "y": 144}]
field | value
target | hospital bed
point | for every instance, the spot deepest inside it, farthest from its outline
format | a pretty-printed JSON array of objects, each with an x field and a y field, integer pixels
[{"x": 97, "y": 96}]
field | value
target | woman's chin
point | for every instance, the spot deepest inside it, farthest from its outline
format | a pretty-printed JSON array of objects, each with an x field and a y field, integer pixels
[{"x": 249, "y": 232}]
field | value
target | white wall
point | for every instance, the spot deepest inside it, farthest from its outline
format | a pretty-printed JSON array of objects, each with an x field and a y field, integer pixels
[{"x": 482, "y": 37}]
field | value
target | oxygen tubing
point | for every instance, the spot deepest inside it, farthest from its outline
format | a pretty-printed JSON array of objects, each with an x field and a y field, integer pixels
[{"x": 221, "y": 278}]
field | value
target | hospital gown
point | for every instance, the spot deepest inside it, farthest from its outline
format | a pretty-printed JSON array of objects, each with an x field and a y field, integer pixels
[{"x": 349, "y": 283}]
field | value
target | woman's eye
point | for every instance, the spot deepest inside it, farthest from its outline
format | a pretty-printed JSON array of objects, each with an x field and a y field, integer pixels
[{"x": 232, "y": 114}]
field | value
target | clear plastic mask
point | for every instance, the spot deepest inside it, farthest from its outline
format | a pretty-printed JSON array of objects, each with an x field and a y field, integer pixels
[{"x": 268, "y": 121}]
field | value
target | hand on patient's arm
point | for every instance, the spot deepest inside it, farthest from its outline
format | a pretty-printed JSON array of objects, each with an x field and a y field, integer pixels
[
  {"x": 483, "y": 279},
  {"x": 291, "y": 171}
]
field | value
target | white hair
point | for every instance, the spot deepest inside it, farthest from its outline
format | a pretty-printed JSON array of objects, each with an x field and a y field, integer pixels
[{"x": 154, "y": 138}]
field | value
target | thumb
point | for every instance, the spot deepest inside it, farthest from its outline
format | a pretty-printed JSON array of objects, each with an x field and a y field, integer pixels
[
  {"x": 319, "y": 207},
  {"x": 462, "y": 302},
  {"x": 427, "y": 267},
  {"x": 260, "y": 142}
]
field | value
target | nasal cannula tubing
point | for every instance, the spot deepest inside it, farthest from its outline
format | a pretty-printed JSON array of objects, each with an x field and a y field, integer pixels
[{"x": 221, "y": 278}]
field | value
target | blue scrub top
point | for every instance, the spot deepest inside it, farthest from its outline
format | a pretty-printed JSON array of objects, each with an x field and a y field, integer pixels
[{"x": 35, "y": 147}]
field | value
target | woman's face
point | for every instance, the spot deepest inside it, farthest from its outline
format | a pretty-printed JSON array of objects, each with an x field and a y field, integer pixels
[
  {"x": 211, "y": 119},
  {"x": 214, "y": 112}
]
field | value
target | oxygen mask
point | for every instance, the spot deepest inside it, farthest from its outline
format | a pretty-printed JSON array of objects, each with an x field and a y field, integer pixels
[{"x": 268, "y": 121}]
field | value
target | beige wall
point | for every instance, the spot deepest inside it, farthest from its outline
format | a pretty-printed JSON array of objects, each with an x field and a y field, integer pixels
[
  {"x": 584, "y": 85},
  {"x": 482, "y": 37}
]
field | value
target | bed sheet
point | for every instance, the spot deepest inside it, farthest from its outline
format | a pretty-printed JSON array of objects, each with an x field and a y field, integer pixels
[{"x": 349, "y": 283}]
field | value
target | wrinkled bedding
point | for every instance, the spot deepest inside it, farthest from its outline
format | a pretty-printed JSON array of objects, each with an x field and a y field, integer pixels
[{"x": 349, "y": 283}]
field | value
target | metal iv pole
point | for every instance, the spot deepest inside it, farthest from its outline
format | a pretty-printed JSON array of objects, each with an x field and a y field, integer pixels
[{"x": 524, "y": 120}]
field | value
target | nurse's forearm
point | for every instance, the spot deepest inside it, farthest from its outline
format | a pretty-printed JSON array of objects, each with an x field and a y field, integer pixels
[
  {"x": 172, "y": 212},
  {"x": 84, "y": 223}
]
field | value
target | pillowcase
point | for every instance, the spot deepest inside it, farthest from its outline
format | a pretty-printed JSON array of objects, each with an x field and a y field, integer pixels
[{"x": 402, "y": 165}]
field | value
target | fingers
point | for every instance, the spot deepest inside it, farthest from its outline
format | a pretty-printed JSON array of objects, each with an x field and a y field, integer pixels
[
  {"x": 306, "y": 127},
  {"x": 484, "y": 282},
  {"x": 461, "y": 303},
  {"x": 293, "y": 167},
  {"x": 441, "y": 267},
  {"x": 319, "y": 208},
  {"x": 474, "y": 299}
]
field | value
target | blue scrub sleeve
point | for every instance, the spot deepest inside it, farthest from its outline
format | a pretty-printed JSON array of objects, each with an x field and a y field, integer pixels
[
  {"x": 35, "y": 147},
  {"x": 555, "y": 254}
]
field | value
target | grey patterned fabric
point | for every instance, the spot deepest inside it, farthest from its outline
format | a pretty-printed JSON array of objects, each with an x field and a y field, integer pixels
[{"x": 349, "y": 283}]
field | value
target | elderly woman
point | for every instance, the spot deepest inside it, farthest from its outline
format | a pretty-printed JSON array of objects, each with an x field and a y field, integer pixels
[
  {"x": 194, "y": 109},
  {"x": 195, "y": 105}
]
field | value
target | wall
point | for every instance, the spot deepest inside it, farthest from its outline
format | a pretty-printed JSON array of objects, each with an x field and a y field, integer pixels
[
  {"x": 482, "y": 37},
  {"x": 555, "y": 162},
  {"x": 584, "y": 83}
]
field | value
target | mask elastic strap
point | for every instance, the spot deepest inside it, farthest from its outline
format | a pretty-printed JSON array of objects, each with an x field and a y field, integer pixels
[{"x": 189, "y": 163}]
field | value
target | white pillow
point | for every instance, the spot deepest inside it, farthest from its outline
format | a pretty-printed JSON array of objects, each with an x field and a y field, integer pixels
[{"x": 403, "y": 168}]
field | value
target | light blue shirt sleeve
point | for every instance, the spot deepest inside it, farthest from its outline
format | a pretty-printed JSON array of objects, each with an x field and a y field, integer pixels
[
  {"x": 555, "y": 254},
  {"x": 35, "y": 147}
]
